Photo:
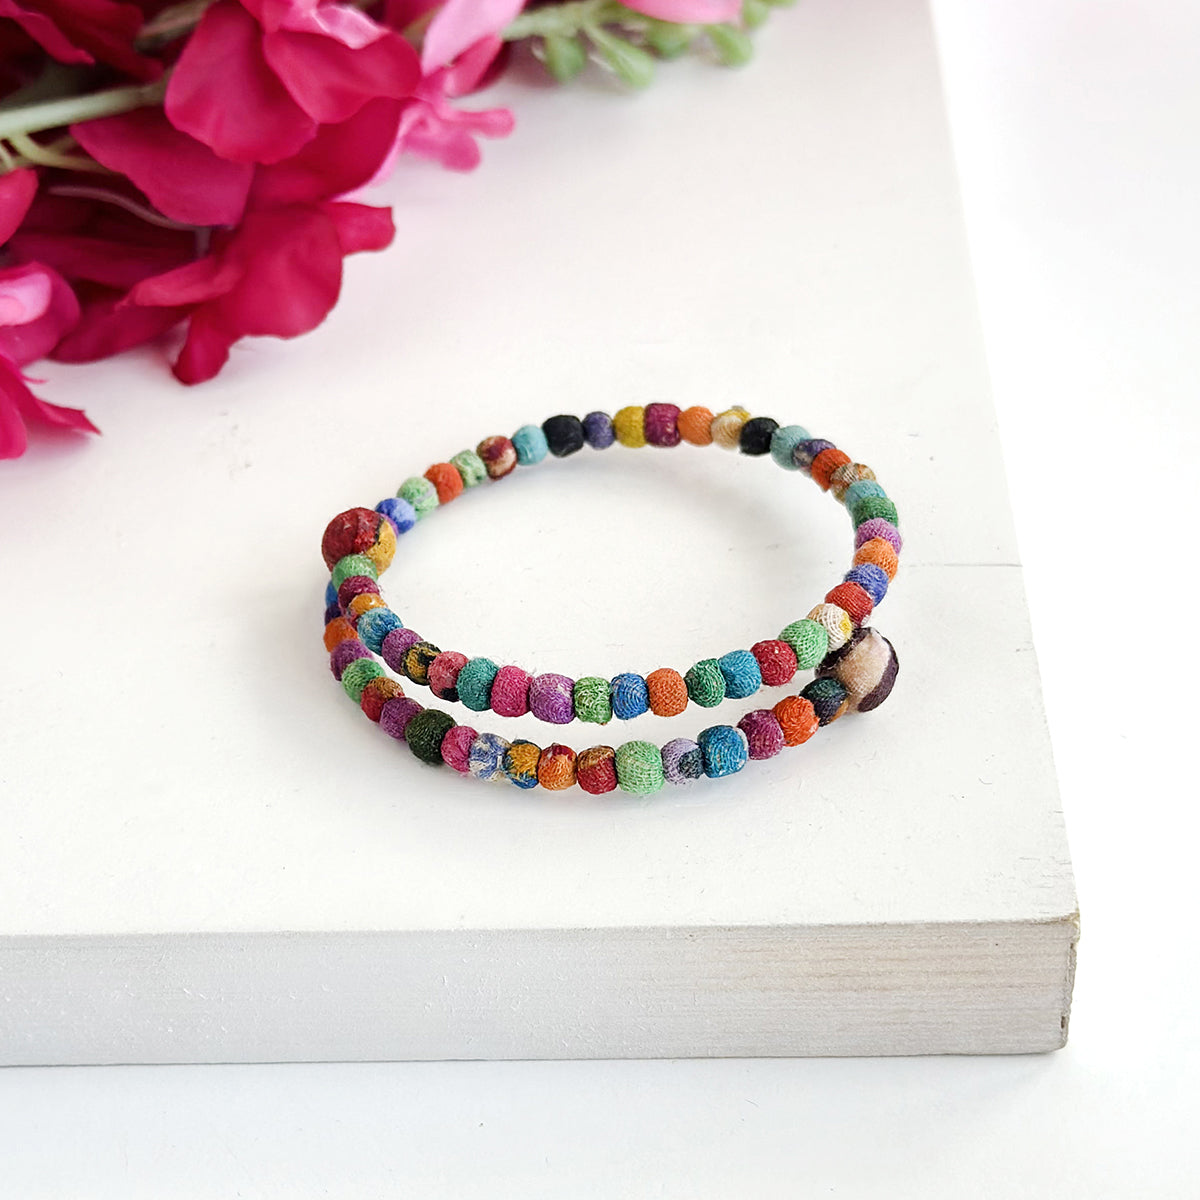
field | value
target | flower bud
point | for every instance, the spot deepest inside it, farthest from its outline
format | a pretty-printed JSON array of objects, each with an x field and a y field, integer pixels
[
  {"x": 631, "y": 64},
  {"x": 733, "y": 47},
  {"x": 755, "y": 13},
  {"x": 564, "y": 56},
  {"x": 668, "y": 40}
]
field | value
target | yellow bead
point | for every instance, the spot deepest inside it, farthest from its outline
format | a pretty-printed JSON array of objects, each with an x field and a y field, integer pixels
[{"x": 629, "y": 424}]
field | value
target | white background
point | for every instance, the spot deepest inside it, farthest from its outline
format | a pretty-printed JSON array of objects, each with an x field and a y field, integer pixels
[{"x": 1076, "y": 127}]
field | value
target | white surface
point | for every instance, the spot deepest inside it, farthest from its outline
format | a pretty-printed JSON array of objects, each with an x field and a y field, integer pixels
[{"x": 1077, "y": 129}]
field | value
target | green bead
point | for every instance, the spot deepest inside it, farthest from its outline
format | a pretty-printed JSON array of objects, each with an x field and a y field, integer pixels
[
  {"x": 593, "y": 700},
  {"x": 706, "y": 683},
  {"x": 353, "y": 564},
  {"x": 424, "y": 734},
  {"x": 420, "y": 493},
  {"x": 470, "y": 466},
  {"x": 639, "y": 768},
  {"x": 358, "y": 674},
  {"x": 474, "y": 683},
  {"x": 873, "y": 506},
  {"x": 809, "y": 640}
]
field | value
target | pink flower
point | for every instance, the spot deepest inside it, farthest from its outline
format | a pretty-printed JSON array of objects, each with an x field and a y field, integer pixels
[
  {"x": 684, "y": 12},
  {"x": 258, "y": 77},
  {"x": 36, "y": 308},
  {"x": 276, "y": 275},
  {"x": 85, "y": 31}
]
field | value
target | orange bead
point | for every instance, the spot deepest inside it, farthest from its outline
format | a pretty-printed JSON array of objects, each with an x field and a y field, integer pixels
[
  {"x": 337, "y": 631},
  {"x": 879, "y": 553},
  {"x": 695, "y": 425},
  {"x": 556, "y": 768},
  {"x": 853, "y": 599},
  {"x": 824, "y": 465},
  {"x": 447, "y": 480},
  {"x": 364, "y": 602},
  {"x": 668, "y": 692},
  {"x": 377, "y": 693},
  {"x": 797, "y": 718}
]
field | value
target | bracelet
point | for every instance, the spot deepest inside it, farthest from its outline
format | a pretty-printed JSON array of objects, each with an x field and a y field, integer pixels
[{"x": 855, "y": 666}]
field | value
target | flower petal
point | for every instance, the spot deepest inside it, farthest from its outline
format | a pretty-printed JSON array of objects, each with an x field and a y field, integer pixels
[
  {"x": 109, "y": 326},
  {"x": 331, "y": 81},
  {"x": 361, "y": 226},
  {"x": 47, "y": 35},
  {"x": 224, "y": 94},
  {"x": 24, "y": 295},
  {"x": 19, "y": 406},
  {"x": 180, "y": 176},
  {"x": 17, "y": 190},
  {"x": 194, "y": 283},
  {"x": 683, "y": 12},
  {"x": 205, "y": 352},
  {"x": 459, "y": 23},
  {"x": 100, "y": 260},
  {"x": 46, "y": 323}
]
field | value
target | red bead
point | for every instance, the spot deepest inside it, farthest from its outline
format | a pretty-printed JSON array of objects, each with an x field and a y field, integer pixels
[
  {"x": 354, "y": 531},
  {"x": 854, "y": 598},
  {"x": 776, "y": 661}
]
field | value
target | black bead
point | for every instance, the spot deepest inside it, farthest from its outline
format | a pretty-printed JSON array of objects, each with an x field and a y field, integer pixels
[
  {"x": 564, "y": 435},
  {"x": 756, "y": 435}
]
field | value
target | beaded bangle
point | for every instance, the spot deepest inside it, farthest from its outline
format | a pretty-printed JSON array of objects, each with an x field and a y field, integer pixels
[{"x": 855, "y": 666}]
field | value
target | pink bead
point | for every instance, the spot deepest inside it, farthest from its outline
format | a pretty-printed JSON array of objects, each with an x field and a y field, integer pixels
[
  {"x": 764, "y": 734},
  {"x": 510, "y": 692},
  {"x": 443, "y": 674},
  {"x": 456, "y": 748}
]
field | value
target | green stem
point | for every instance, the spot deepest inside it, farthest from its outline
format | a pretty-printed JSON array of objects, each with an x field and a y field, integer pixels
[
  {"x": 32, "y": 154},
  {"x": 53, "y": 114},
  {"x": 567, "y": 20}
]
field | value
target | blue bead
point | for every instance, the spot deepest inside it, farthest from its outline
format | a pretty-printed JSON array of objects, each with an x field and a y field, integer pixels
[
  {"x": 485, "y": 759},
  {"x": 872, "y": 579},
  {"x": 330, "y": 594},
  {"x": 859, "y": 490},
  {"x": 630, "y": 696},
  {"x": 530, "y": 444},
  {"x": 724, "y": 750},
  {"x": 598, "y": 430},
  {"x": 374, "y": 625},
  {"x": 743, "y": 676},
  {"x": 401, "y": 514},
  {"x": 784, "y": 441}
]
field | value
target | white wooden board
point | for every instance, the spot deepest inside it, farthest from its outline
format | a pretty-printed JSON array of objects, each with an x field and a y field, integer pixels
[{"x": 210, "y": 855}]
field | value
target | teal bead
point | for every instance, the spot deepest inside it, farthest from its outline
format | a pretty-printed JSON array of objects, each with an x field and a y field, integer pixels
[
  {"x": 531, "y": 446},
  {"x": 860, "y": 489},
  {"x": 474, "y": 683},
  {"x": 784, "y": 440}
]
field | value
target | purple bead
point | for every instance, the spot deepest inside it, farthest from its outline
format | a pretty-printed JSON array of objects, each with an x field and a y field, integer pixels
[
  {"x": 396, "y": 645},
  {"x": 877, "y": 527},
  {"x": 805, "y": 452},
  {"x": 872, "y": 579},
  {"x": 344, "y": 653},
  {"x": 356, "y": 585},
  {"x": 661, "y": 423},
  {"x": 396, "y": 713},
  {"x": 764, "y": 734},
  {"x": 552, "y": 698},
  {"x": 598, "y": 430},
  {"x": 682, "y": 761},
  {"x": 332, "y": 612}
]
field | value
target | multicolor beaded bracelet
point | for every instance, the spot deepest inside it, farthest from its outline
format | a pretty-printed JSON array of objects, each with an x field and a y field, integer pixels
[{"x": 856, "y": 666}]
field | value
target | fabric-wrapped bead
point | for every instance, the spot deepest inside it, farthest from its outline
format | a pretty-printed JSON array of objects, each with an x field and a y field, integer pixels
[
  {"x": 829, "y": 698},
  {"x": 797, "y": 719},
  {"x": 474, "y": 683},
  {"x": 860, "y": 489},
  {"x": 726, "y": 427},
  {"x": 805, "y": 452},
  {"x": 810, "y": 641},
  {"x": 853, "y": 599},
  {"x": 362, "y": 604},
  {"x": 871, "y": 508},
  {"x": 764, "y": 734},
  {"x": 695, "y": 425},
  {"x": 630, "y": 696},
  {"x": 530, "y": 444},
  {"x": 682, "y": 761},
  {"x": 564, "y": 435},
  {"x": 396, "y": 714},
  {"x": 355, "y": 585},
  {"x": 418, "y": 660},
  {"x": 486, "y": 759},
  {"x": 639, "y": 768},
  {"x": 470, "y": 468},
  {"x": 776, "y": 661},
  {"x": 629, "y": 424},
  {"x": 352, "y": 564},
  {"x": 877, "y": 527},
  {"x": 847, "y": 474},
  {"x": 510, "y": 692},
  {"x": 376, "y": 694},
  {"x": 443, "y": 674},
  {"x": 755, "y": 436},
  {"x": 456, "y": 748},
  {"x": 399, "y": 513},
  {"x": 836, "y": 623},
  {"x": 824, "y": 465},
  {"x": 446, "y": 480},
  {"x": 866, "y": 666},
  {"x": 667, "y": 692},
  {"x": 872, "y": 579},
  {"x": 499, "y": 456},
  {"x": 784, "y": 441},
  {"x": 375, "y": 625},
  {"x": 552, "y": 698},
  {"x": 662, "y": 425},
  {"x": 705, "y": 683},
  {"x": 396, "y": 646},
  {"x": 879, "y": 553},
  {"x": 420, "y": 493},
  {"x": 356, "y": 676},
  {"x": 556, "y": 768},
  {"x": 742, "y": 676},
  {"x": 344, "y": 653},
  {"x": 338, "y": 630},
  {"x": 520, "y": 763},
  {"x": 358, "y": 531},
  {"x": 425, "y": 732},
  {"x": 593, "y": 700},
  {"x": 596, "y": 770},
  {"x": 724, "y": 750},
  {"x": 332, "y": 612},
  {"x": 598, "y": 430}
]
